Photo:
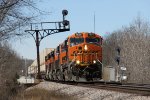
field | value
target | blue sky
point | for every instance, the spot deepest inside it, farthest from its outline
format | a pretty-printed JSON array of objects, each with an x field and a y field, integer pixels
[{"x": 110, "y": 15}]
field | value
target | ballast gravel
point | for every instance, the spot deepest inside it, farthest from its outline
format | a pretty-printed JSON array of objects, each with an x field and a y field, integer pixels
[{"x": 84, "y": 93}]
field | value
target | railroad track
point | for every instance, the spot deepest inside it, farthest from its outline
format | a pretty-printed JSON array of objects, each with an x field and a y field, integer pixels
[{"x": 140, "y": 89}]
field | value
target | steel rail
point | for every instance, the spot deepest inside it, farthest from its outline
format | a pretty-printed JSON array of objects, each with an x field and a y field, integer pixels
[{"x": 140, "y": 89}]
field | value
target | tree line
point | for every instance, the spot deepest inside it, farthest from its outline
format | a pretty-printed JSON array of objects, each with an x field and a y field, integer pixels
[
  {"x": 134, "y": 44},
  {"x": 12, "y": 21}
]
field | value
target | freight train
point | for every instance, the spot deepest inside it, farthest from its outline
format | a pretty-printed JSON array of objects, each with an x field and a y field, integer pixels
[{"x": 78, "y": 57}]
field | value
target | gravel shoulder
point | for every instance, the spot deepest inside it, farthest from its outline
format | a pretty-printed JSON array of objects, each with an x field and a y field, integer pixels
[{"x": 84, "y": 93}]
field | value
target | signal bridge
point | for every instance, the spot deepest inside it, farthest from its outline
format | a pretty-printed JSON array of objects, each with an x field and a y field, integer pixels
[{"x": 44, "y": 29}]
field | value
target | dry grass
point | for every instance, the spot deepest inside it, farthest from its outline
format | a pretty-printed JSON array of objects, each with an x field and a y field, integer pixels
[{"x": 41, "y": 94}]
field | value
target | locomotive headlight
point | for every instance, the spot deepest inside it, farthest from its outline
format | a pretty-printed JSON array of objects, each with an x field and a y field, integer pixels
[
  {"x": 85, "y": 47},
  {"x": 94, "y": 61},
  {"x": 124, "y": 77},
  {"x": 78, "y": 62}
]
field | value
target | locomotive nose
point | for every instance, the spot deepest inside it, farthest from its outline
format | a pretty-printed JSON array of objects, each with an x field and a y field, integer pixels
[
  {"x": 85, "y": 48},
  {"x": 87, "y": 54}
]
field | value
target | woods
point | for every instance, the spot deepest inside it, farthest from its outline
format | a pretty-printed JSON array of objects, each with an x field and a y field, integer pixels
[
  {"x": 135, "y": 50},
  {"x": 12, "y": 20},
  {"x": 10, "y": 63}
]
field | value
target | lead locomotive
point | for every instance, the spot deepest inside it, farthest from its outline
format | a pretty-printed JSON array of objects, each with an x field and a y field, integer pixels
[{"x": 79, "y": 57}]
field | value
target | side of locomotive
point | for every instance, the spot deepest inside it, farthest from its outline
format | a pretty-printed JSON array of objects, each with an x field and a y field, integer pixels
[{"x": 79, "y": 57}]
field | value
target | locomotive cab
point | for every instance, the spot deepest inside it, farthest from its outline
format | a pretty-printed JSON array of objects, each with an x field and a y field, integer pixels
[{"x": 86, "y": 52}]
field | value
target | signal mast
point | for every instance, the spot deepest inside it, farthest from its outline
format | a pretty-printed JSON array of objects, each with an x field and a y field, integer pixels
[{"x": 40, "y": 33}]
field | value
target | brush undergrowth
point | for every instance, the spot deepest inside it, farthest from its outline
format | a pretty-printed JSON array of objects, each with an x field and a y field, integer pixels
[{"x": 41, "y": 94}]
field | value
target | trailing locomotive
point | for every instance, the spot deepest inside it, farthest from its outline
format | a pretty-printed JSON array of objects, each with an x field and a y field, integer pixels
[{"x": 79, "y": 57}]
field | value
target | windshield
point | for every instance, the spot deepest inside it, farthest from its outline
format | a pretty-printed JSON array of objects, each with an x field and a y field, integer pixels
[
  {"x": 92, "y": 40},
  {"x": 75, "y": 41}
]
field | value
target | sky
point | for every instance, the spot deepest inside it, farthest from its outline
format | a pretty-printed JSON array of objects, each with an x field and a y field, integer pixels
[{"x": 110, "y": 15}]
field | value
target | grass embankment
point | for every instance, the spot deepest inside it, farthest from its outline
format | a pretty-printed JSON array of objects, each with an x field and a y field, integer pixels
[{"x": 41, "y": 94}]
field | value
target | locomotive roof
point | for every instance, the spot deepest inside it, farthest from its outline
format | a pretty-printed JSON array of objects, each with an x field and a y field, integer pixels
[{"x": 83, "y": 34}]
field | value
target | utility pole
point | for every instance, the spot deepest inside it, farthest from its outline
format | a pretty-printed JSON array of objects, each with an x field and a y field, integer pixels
[
  {"x": 94, "y": 22},
  {"x": 41, "y": 30},
  {"x": 25, "y": 66}
]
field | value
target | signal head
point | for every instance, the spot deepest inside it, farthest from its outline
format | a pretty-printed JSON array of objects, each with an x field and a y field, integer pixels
[
  {"x": 65, "y": 23},
  {"x": 65, "y": 12}
]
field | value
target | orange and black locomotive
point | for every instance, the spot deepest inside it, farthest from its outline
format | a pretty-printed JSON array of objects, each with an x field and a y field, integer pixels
[{"x": 79, "y": 57}]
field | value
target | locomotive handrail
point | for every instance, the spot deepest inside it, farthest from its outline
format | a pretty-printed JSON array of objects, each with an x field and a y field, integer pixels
[{"x": 102, "y": 66}]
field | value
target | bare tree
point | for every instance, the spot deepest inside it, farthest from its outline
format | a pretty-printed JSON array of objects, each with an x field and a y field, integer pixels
[{"x": 13, "y": 17}]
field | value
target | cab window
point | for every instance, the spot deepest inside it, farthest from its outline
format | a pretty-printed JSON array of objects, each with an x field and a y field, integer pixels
[
  {"x": 76, "y": 41},
  {"x": 64, "y": 46},
  {"x": 58, "y": 49},
  {"x": 93, "y": 40}
]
